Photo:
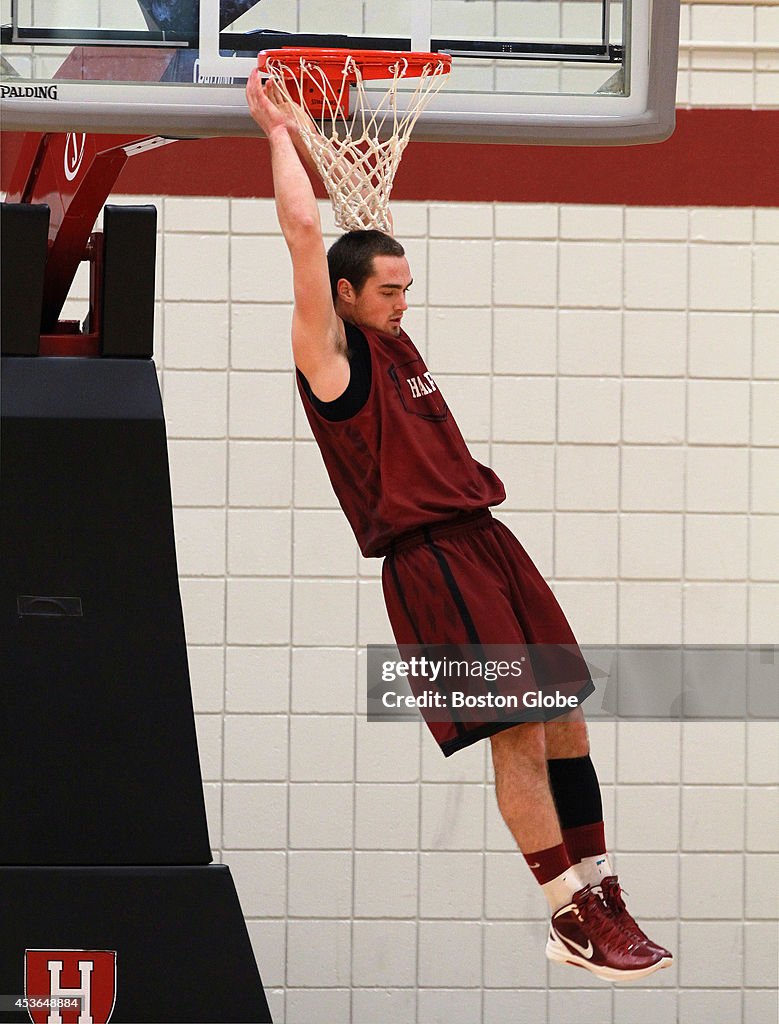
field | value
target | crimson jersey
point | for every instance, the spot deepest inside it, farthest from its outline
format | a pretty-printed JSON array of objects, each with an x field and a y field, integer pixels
[{"x": 395, "y": 457}]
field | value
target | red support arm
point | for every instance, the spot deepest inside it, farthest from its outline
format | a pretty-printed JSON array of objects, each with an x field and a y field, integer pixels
[{"x": 74, "y": 174}]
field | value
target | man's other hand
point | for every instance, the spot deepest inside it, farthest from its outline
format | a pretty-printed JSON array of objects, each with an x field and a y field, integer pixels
[{"x": 267, "y": 106}]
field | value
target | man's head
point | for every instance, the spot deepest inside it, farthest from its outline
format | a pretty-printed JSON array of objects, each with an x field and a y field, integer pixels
[{"x": 369, "y": 277}]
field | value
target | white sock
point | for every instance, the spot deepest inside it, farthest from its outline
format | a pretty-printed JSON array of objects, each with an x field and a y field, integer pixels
[
  {"x": 559, "y": 890},
  {"x": 594, "y": 869}
]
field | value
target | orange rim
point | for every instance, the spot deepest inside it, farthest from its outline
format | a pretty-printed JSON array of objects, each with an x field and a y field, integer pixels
[{"x": 373, "y": 64}]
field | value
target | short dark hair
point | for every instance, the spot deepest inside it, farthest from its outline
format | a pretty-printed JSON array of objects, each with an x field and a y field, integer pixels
[{"x": 351, "y": 257}]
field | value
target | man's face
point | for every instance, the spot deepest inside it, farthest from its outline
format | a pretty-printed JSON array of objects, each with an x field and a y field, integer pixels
[{"x": 381, "y": 302}]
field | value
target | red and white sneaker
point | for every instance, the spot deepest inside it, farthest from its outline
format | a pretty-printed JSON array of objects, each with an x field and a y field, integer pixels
[
  {"x": 611, "y": 892},
  {"x": 584, "y": 933}
]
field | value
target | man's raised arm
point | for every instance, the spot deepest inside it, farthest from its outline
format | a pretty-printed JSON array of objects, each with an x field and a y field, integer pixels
[{"x": 318, "y": 337}]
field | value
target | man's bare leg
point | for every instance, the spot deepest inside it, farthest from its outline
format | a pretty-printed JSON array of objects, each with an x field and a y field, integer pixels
[
  {"x": 566, "y": 736},
  {"x": 519, "y": 756},
  {"x": 527, "y": 805},
  {"x": 522, "y": 786}
]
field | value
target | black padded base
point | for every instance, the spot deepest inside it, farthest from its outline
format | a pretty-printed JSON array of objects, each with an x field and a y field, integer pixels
[
  {"x": 182, "y": 949},
  {"x": 98, "y": 754}
]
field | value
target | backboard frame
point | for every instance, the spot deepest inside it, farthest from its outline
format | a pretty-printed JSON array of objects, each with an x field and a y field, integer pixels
[{"x": 645, "y": 113}]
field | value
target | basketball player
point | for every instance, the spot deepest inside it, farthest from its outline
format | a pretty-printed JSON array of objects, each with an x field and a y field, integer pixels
[{"x": 452, "y": 574}]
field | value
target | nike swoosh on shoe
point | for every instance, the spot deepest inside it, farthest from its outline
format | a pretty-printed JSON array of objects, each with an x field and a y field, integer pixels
[{"x": 586, "y": 951}]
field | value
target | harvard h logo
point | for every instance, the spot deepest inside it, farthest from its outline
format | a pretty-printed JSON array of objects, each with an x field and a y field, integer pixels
[{"x": 57, "y": 977}]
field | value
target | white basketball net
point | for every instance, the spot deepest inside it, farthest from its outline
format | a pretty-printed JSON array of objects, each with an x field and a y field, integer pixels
[{"x": 355, "y": 154}]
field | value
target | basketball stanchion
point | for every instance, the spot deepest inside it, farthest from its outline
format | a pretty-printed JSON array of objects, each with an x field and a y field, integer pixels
[{"x": 108, "y": 894}]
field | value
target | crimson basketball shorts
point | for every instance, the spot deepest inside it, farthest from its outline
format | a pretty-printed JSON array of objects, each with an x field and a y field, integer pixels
[{"x": 469, "y": 583}]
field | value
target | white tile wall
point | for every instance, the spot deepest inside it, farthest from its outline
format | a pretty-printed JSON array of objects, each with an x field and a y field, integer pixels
[
  {"x": 722, "y": 75},
  {"x": 624, "y": 363}
]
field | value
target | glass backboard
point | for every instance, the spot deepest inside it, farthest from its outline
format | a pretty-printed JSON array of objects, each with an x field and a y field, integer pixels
[{"x": 553, "y": 71}]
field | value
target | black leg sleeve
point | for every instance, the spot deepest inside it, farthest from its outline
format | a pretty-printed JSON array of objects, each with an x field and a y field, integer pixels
[{"x": 576, "y": 791}]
